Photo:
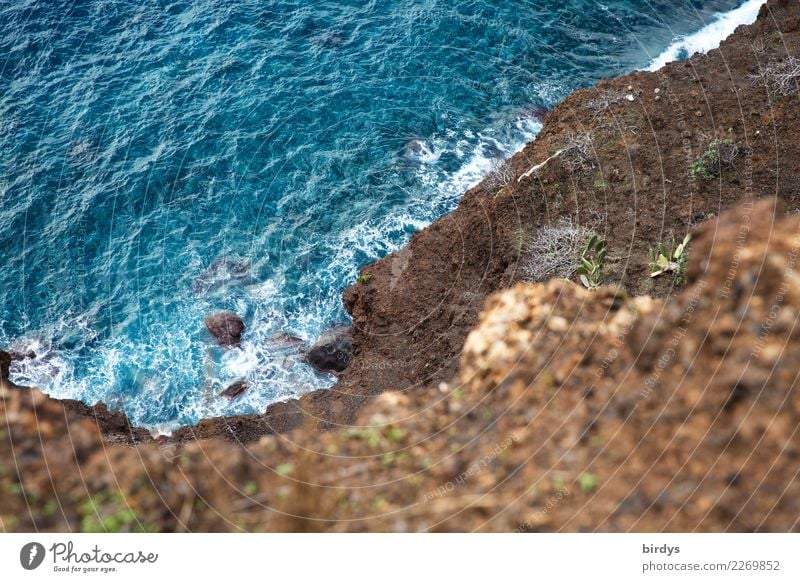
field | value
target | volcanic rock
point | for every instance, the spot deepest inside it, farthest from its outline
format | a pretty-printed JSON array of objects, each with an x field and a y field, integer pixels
[
  {"x": 332, "y": 352},
  {"x": 227, "y": 327}
]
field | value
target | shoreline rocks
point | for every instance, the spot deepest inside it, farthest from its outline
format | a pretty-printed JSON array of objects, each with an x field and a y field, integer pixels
[
  {"x": 226, "y": 327},
  {"x": 235, "y": 390},
  {"x": 332, "y": 352}
]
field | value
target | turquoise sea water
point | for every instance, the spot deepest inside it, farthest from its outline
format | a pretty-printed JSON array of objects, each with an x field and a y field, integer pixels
[{"x": 162, "y": 160}]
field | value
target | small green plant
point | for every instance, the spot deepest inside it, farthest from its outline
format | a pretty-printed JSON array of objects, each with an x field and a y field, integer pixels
[
  {"x": 592, "y": 261},
  {"x": 588, "y": 482},
  {"x": 364, "y": 278},
  {"x": 720, "y": 154},
  {"x": 669, "y": 259},
  {"x": 700, "y": 170}
]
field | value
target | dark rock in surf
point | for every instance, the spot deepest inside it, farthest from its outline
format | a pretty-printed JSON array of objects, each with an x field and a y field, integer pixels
[
  {"x": 414, "y": 149},
  {"x": 415, "y": 146},
  {"x": 236, "y": 389},
  {"x": 332, "y": 352},
  {"x": 227, "y": 327},
  {"x": 537, "y": 112},
  {"x": 19, "y": 356}
]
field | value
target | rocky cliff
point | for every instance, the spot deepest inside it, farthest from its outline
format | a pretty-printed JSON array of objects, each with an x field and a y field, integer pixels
[{"x": 662, "y": 403}]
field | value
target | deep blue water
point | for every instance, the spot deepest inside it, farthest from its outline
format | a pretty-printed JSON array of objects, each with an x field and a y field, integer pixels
[{"x": 140, "y": 142}]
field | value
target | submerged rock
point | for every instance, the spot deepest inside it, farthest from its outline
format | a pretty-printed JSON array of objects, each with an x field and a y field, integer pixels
[
  {"x": 220, "y": 273},
  {"x": 227, "y": 327},
  {"x": 19, "y": 356},
  {"x": 285, "y": 340},
  {"x": 236, "y": 389},
  {"x": 534, "y": 112},
  {"x": 332, "y": 352}
]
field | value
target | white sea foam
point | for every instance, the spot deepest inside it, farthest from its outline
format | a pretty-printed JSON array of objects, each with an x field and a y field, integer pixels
[{"x": 710, "y": 36}]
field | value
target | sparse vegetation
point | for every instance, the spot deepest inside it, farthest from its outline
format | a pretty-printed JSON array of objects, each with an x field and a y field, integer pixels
[
  {"x": 602, "y": 102},
  {"x": 669, "y": 259},
  {"x": 578, "y": 152},
  {"x": 555, "y": 251},
  {"x": 720, "y": 154},
  {"x": 781, "y": 78},
  {"x": 588, "y": 482},
  {"x": 364, "y": 278},
  {"x": 592, "y": 261},
  {"x": 500, "y": 175},
  {"x": 759, "y": 46}
]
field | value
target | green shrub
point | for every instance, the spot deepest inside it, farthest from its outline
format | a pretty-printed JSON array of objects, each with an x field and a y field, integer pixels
[
  {"x": 588, "y": 482},
  {"x": 669, "y": 259},
  {"x": 720, "y": 154},
  {"x": 592, "y": 261}
]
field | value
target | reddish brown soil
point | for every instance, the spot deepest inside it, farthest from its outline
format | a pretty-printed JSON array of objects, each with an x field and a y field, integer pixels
[{"x": 568, "y": 410}]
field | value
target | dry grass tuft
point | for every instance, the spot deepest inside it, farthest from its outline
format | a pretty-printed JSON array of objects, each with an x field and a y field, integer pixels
[
  {"x": 555, "y": 251},
  {"x": 780, "y": 78}
]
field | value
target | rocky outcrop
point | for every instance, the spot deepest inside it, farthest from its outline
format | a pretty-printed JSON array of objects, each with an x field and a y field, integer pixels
[
  {"x": 236, "y": 389},
  {"x": 114, "y": 425},
  {"x": 332, "y": 352},
  {"x": 226, "y": 327},
  {"x": 6, "y": 358}
]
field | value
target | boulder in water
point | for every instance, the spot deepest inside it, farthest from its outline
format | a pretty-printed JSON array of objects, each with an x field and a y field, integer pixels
[
  {"x": 284, "y": 341},
  {"x": 19, "y": 356},
  {"x": 332, "y": 352},
  {"x": 535, "y": 112},
  {"x": 236, "y": 389},
  {"x": 227, "y": 327}
]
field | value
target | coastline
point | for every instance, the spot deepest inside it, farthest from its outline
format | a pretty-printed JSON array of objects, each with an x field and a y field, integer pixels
[
  {"x": 479, "y": 370},
  {"x": 339, "y": 405},
  {"x": 375, "y": 370}
]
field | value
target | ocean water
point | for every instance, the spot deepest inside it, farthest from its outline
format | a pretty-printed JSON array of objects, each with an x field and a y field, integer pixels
[{"x": 163, "y": 160}]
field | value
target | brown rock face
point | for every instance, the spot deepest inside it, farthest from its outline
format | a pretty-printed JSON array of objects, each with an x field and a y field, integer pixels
[
  {"x": 227, "y": 327},
  {"x": 5, "y": 364}
]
